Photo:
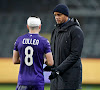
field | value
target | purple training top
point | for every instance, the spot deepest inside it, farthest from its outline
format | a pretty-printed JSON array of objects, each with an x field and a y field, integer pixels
[{"x": 31, "y": 48}]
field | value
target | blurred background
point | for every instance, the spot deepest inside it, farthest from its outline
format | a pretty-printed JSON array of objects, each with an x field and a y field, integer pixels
[{"x": 13, "y": 19}]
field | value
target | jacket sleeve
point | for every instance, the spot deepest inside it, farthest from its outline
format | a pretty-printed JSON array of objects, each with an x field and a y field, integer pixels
[{"x": 77, "y": 39}]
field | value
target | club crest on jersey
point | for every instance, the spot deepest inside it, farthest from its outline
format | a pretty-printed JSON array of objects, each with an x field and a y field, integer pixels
[{"x": 30, "y": 41}]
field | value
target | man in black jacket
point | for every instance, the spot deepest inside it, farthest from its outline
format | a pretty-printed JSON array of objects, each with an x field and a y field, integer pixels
[{"x": 66, "y": 44}]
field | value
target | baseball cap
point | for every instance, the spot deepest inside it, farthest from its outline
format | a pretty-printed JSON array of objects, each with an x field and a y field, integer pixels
[{"x": 33, "y": 21}]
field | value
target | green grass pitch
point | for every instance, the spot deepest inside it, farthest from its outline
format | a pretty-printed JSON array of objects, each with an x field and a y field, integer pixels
[
  {"x": 47, "y": 87},
  {"x": 13, "y": 87}
]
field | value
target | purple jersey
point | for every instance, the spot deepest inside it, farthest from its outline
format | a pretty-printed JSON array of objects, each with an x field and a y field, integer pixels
[{"x": 31, "y": 48}]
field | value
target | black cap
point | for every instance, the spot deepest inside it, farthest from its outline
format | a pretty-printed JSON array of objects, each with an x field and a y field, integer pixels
[{"x": 61, "y": 9}]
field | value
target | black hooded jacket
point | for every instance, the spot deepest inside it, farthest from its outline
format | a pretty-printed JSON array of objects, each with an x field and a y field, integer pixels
[{"x": 66, "y": 45}]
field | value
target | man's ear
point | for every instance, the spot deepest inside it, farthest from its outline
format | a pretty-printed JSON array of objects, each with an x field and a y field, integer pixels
[
  {"x": 40, "y": 26},
  {"x": 27, "y": 27}
]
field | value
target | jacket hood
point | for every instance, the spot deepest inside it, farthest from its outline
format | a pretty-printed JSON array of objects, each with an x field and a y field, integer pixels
[{"x": 70, "y": 23}]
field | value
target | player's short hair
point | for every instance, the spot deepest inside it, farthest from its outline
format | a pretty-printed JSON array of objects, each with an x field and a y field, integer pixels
[{"x": 33, "y": 21}]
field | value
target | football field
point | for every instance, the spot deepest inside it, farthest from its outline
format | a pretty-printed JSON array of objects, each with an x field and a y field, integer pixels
[{"x": 47, "y": 87}]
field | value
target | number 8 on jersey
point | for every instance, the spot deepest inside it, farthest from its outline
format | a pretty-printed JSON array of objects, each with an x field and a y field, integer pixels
[{"x": 29, "y": 55}]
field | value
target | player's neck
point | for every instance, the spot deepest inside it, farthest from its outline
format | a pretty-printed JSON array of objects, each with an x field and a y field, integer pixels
[{"x": 33, "y": 31}]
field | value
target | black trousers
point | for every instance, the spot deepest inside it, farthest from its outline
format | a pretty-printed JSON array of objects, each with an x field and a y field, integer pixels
[{"x": 58, "y": 85}]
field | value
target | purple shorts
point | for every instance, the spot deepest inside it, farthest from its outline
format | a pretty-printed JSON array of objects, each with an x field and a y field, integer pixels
[{"x": 22, "y": 87}]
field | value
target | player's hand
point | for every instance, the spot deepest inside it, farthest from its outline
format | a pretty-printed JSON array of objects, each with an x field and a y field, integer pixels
[{"x": 45, "y": 60}]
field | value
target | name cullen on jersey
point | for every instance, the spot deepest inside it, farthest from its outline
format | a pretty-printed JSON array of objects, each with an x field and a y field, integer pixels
[{"x": 30, "y": 41}]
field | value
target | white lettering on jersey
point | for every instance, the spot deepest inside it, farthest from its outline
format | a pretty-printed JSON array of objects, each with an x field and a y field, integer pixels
[{"x": 30, "y": 41}]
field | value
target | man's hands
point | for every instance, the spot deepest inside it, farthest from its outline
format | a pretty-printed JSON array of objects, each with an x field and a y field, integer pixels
[
  {"x": 54, "y": 74},
  {"x": 48, "y": 68}
]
